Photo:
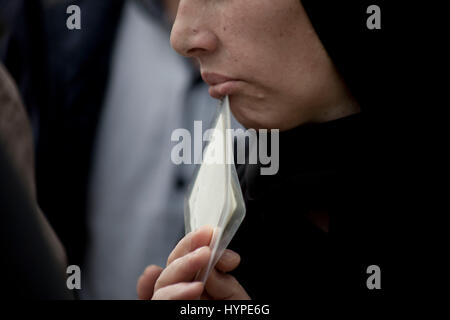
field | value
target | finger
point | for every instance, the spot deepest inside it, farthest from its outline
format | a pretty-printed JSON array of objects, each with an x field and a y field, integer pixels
[
  {"x": 184, "y": 269},
  {"x": 146, "y": 282},
  {"x": 190, "y": 242},
  {"x": 180, "y": 291},
  {"x": 228, "y": 261},
  {"x": 222, "y": 286}
]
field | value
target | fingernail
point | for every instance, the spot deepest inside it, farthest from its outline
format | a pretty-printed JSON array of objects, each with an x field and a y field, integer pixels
[
  {"x": 203, "y": 228},
  {"x": 198, "y": 250}
]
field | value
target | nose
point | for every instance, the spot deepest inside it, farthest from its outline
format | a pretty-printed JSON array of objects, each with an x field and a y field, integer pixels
[{"x": 191, "y": 35}]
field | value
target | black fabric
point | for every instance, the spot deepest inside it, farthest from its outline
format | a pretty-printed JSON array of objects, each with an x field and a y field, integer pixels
[
  {"x": 363, "y": 56},
  {"x": 343, "y": 167},
  {"x": 331, "y": 167}
]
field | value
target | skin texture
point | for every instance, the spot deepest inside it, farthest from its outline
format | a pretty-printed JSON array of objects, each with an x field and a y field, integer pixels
[
  {"x": 283, "y": 78},
  {"x": 286, "y": 77}
]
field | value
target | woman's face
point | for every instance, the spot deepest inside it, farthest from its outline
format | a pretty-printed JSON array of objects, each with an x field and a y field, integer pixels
[{"x": 266, "y": 56}]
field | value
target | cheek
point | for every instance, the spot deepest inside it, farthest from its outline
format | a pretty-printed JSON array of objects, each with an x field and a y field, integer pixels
[
  {"x": 280, "y": 55},
  {"x": 266, "y": 43}
]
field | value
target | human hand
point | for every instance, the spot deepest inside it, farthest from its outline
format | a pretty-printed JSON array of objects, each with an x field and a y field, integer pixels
[{"x": 176, "y": 281}]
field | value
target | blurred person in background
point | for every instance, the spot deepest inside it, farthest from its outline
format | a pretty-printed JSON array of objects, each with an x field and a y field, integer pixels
[
  {"x": 103, "y": 102},
  {"x": 32, "y": 255}
]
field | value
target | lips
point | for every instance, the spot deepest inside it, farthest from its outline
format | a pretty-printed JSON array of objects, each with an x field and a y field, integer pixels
[{"x": 220, "y": 85}]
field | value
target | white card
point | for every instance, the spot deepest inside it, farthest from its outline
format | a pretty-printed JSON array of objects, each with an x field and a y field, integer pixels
[{"x": 215, "y": 196}]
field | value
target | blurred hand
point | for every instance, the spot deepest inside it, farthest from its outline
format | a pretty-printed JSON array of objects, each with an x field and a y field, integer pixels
[{"x": 176, "y": 281}]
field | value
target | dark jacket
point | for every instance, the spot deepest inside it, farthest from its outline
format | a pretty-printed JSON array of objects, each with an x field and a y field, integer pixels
[
  {"x": 62, "y": 75},
  {"x": 340, "y": 168},
  {"x": 33, "y": 260},
  {"x": 331, "y": 167}
]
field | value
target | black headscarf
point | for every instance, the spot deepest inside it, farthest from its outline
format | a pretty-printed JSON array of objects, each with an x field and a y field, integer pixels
[
  {"x": 333, "y": 167},
  {"x": 359, "y": 53}
]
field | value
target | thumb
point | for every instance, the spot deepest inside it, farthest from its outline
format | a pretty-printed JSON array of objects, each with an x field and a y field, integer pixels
[
  {"x": 228, "y": 261},
  {"x": 222, "y": 286}
]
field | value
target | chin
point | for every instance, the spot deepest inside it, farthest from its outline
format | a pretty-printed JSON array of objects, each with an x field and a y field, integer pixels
[
  {"x": 245, "y": 119},
  {"x": 246, "y": 113}
]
